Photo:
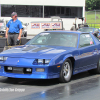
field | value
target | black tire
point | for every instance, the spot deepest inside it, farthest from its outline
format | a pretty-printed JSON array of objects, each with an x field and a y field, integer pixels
[
  {"x": 25, "y": 35},
  {"x": 66, "y": 71},
  {"x": 97, "y": 70},
  {"x": 9, "y": 77},
  {"x": 91, "y": 71}
]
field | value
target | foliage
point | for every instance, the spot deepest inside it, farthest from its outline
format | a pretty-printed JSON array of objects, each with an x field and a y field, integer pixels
[{"x": 92, "y": 4}]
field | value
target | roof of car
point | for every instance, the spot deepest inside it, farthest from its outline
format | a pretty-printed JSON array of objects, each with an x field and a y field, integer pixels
[
  {"x": 88, "y": 27},
  {"x": 64, "y": 31}
]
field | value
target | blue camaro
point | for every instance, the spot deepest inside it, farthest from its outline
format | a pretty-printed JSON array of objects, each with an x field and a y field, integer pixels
[{"x": 52, "y": 54}]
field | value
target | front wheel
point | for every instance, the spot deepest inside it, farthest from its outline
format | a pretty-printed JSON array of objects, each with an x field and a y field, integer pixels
[
  {"x": 66, "y": 71},
  {"x": 10, "y": 78}
]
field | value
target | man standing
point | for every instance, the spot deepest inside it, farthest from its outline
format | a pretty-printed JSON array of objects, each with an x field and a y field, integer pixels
[
  {"x": 14, "y": 30},
  {"x": 73, "y": 27}
]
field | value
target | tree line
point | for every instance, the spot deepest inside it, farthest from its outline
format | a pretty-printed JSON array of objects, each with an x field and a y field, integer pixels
[{"x": 92, "y": 5}]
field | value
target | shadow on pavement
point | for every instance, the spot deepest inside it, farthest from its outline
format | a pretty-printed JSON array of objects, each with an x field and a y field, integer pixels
[{"x": 41, "y": 82}]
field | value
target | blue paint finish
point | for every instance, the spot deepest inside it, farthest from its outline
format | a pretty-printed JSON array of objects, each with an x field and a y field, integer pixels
[
  {"x": 85, "y": 68},
  {"x": 85, "y": 58}
]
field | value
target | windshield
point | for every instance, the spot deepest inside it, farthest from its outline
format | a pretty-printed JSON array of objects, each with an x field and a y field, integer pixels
[
  {"x": 86, "y": 29},
  {"x": 55, "y": 39}
]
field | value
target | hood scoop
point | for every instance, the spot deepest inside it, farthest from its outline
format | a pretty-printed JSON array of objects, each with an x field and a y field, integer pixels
[
  {"x": 29, "y": 48},
  {"x": 39, "y": 49}
]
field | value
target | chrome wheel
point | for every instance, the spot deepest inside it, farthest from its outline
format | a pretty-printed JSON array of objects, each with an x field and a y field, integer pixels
[{"x": 66, "y": 70}]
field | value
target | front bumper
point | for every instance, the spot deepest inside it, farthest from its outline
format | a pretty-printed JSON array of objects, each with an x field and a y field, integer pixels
[{"x": 34, "y": 75}]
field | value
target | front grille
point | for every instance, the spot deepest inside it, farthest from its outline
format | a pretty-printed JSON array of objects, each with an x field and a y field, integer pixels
[
  {"x": 19, "y": 70},
  {"x": 2, "y": 32}
]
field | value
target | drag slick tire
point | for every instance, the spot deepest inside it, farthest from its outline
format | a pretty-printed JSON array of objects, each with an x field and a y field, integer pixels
[{"x": 66, "y": 71}]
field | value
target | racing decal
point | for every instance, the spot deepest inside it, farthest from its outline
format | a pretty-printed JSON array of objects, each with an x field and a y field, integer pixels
[
  {"x": 35, "y": 25},
  {"x": 45, "y": 25},
  {"x": 86, "y": 54},
  {"x": 91, "y": 42},
  {"x": 56, "y": 25},
  {"x": 96, "y": 51}
]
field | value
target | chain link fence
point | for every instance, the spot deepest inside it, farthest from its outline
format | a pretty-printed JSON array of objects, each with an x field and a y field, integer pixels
[{"x": 93, "y": 18}]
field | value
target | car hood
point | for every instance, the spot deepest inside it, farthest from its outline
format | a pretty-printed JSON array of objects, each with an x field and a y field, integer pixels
[{"x": 36, "y": 51}]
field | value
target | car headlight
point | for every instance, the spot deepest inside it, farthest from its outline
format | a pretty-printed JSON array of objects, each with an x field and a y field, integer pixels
[
  {"x": 3, "y": 58},
  {"x": 43, "y": 61},
  {"x": 47, "y": 61},
  {"x": 40, "y": 61}
]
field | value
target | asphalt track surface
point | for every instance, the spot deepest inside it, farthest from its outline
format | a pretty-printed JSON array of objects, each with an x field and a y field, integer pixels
[{"x": 82, "y": 87}]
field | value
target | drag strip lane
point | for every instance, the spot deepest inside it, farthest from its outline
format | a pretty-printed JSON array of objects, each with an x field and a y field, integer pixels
[{"x": 43, "y": 89}]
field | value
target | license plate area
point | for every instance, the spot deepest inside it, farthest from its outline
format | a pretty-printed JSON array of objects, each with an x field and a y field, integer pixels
[{"x": 17, "y": 70}]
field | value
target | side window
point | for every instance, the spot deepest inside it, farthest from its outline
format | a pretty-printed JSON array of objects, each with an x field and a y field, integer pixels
[
  {"x": 85, "y": 40},
  {"x": 96, "y": 29}
]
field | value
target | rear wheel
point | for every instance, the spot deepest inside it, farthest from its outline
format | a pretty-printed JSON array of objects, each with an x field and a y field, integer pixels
[
  {"x": 66, "y": 71},
  {"x": 97, "y": 70}
]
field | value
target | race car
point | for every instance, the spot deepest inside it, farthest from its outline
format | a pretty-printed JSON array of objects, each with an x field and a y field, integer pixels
[
  {"x": 52, "y": 54},
  {"x": 94, "y": 31}
]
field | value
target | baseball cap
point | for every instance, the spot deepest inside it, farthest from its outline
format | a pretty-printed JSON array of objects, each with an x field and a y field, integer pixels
[{"x": 13, "y": 14}]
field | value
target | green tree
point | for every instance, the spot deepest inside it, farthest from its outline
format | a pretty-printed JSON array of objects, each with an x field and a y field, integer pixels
[
  {"x": 90, "y": 4},
  {"x": 97, "y": 5}
]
